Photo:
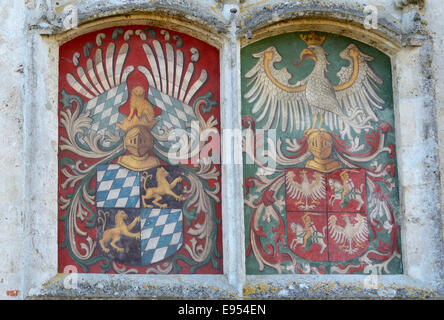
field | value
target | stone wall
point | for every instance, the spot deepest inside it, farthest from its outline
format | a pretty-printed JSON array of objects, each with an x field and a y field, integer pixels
[
  {"x": 14, "y": 69},
  {"x": 409, "y": 31}
]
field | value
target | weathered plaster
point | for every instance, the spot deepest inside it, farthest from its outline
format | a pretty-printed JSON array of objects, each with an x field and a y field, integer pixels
[
  {"x": 436, "y": 25},
  {"x": 399, "y": 26},
  {"x": 205, "y": 13},
  {"x": 29, "y": 147},
  {"x": 13, "y": 71}
]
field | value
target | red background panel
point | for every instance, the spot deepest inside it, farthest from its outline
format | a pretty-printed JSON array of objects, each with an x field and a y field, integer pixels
[
  {"x": 208, "y": 60},
  {"x": 315, "y": 252},
  {"x": 358, "y": 178},
  {"x": 293, "y": 203},
  {"x": 338, "y": 251}
]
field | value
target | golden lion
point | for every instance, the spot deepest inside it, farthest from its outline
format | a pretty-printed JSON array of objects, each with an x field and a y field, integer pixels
[
  {"x": 120, "y": 229},
  {"x": 140, "y": 104},
  {"x": 163, "y": 188}
]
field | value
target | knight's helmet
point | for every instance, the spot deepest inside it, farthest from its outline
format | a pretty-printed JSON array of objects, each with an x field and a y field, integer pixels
[
  {"x": 138, "y": 139},
  {"x": 139, "y": 142},
  {"x": 320, "y": 144}
]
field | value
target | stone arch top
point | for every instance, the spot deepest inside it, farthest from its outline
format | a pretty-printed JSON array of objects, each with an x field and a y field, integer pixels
[
  {"x": 398, "y": 21},
  {"x": 390, "y": 32}
]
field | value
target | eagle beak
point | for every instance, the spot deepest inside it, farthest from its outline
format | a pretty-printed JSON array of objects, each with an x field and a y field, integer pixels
[{"x": 307, "y": 53}]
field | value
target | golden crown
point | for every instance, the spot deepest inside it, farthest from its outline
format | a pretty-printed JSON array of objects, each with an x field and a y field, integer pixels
[
  {"x": 142, "y": 121},
  {"x": 313, "y": 38}
]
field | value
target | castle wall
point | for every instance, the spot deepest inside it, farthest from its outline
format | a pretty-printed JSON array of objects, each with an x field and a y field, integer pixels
[{"x": 408, "y": 31}]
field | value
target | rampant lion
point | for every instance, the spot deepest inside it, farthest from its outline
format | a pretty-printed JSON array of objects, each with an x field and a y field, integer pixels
[
  {"x": 121, "y": 228},
  {"x": 163, "y": 188}
]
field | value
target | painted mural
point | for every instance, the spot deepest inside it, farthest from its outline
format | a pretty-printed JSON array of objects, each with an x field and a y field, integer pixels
[
  {"x": 139, "y": 190},
  {"x": 320, "y": 178}
]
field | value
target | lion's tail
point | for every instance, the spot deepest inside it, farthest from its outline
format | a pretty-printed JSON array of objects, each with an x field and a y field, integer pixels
[
  {"x": 150, "y": 176},
  {"x": 102, "y": 217}
]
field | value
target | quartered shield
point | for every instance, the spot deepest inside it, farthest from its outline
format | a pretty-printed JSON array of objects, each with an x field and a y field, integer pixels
[
  {"x": 326, "y": 214},
  {"x": 140, "y": 217}
]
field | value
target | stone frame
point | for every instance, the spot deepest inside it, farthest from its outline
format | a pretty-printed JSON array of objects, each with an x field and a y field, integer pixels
[{"x": 415, "y": 126}]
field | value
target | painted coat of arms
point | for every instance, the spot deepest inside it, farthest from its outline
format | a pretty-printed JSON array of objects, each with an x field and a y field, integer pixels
[
  {"x": 139, "y": 187},
  {"x": 321, "y": 191}
]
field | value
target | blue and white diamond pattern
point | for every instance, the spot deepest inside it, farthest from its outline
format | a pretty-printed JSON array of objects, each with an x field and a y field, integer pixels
[
  {"x": 104, "y": 110},
  {"x": 161, "y": 234},
  {"x": 117, "y": 187},
  {"x": 175, "y": 114}
]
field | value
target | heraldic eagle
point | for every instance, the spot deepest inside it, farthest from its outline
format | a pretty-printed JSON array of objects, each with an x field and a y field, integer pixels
[
  {"x": 314, "y": 190},
  {"x": 288, "y": 106},
  {"x": 351, "y": 233}
]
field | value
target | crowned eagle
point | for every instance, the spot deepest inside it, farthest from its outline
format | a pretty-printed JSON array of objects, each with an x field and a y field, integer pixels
[{"x": 348, "y": 104}]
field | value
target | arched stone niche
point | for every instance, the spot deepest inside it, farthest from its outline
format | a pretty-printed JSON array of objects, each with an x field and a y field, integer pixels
[
  {"x": 415, "y": 149},
  {"x": 324, "y": 105},
  {"x": 82, "y": 53},
  {"x": 137, "y": 190}
]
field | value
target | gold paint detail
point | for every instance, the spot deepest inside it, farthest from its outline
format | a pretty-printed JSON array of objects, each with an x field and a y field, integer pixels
[
  {"x": 354, "y": 54},
  {"x": 268, "y": 57},
  {"x": 310, "y": 53},
  {"x": 138, "y": 140},
  {"x": 138, "y": 163},
  {"x": 313, "y": 39},
  {"x": 113, "y": 235},
  {"x": 140, "y": 104},
  {"x": 320, "y": 146},
  {"x": 163, "y": 188}
]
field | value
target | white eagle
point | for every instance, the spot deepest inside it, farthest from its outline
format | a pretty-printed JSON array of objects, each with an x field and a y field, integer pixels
[
  {"x": 357, "y": 233},
  {"x": 288, "y": 106},
  {"x": 306, "y": 190}
]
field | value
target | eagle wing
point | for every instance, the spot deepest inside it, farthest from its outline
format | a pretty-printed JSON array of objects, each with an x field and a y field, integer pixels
[
  {"x": 360, "y": 230},
  {"x": 318, "y": 187},
  {"x": 315, "y": 190},
  {"x": 337, "y": 233},
  {"x": 284, "y": 105},
  {"x": 356, "y": 88},
  {"x": 294, "y": 189}
]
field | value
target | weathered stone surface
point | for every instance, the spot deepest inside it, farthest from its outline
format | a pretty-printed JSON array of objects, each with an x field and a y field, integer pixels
[{"x": 410, "y": 32}]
